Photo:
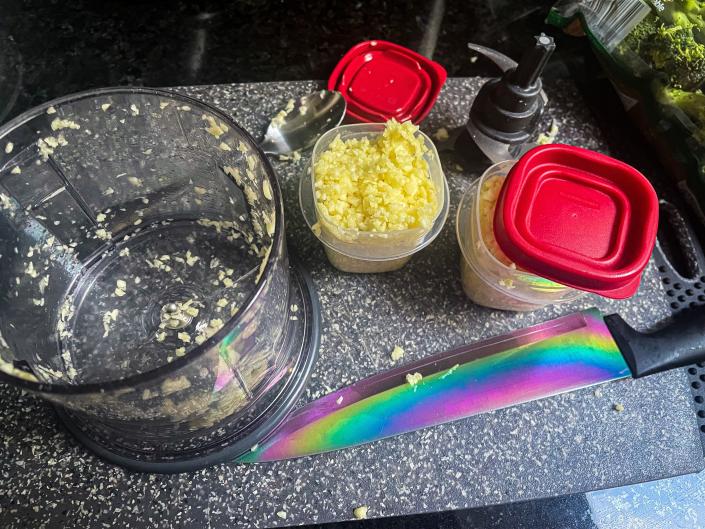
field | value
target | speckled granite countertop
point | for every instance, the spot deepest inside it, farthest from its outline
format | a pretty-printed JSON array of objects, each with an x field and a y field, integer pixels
[{"x": 570, "y": 443}]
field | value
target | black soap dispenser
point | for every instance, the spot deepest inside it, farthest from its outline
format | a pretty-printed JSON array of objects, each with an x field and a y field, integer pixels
[{"x": 506, "y": 110}]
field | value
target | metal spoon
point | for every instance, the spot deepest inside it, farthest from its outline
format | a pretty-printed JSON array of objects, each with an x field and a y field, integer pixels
[{"x": 304, "y": 121}]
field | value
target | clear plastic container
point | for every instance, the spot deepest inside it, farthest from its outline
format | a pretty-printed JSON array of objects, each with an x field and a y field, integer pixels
[
  {"x": 488, "y": 276},
  {"x": 364, "y": 251},
  {"x": 145, "y": 287}
]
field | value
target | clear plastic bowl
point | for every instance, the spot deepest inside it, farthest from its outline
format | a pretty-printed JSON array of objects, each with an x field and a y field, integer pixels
[
  {"x": 365, "y": 251},
  {"x": 487, "y": 280},
  {"x": 145, "y": 287}
]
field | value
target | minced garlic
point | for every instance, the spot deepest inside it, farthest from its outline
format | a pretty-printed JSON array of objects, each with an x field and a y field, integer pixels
[
  {"x": 120, "y": 287},
  {"x": 214, "y": 128},
  {"x": 279, "y": 119},
  {"x": 108, "y": 318},
  {"x": 102, "y": 233},
  {"x": 489, "y": 193},
  {"x": 267, "y": 190},
  {"x": 58, "y": 124},
  {"x": 44, "y": 149},
  {"x": 397, "y": 353},
  {"x": 441, "y": 134},
  {"x": 413, "y": 379},
  {"x": 295, "y": 156},
  {"x": 134, "y": 181},
  {"x": 377, "y": 185},
  {"x": 43, "y": 284},
  {"x": 191, "y": 259},
  {"x": 31, "y": 271},
  {"x": 548, "y": 137}
]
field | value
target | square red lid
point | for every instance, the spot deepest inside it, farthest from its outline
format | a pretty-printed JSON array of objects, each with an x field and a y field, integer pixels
[
  {"x": 579, "y": 218},
  {"x": 381, "y": 80}
]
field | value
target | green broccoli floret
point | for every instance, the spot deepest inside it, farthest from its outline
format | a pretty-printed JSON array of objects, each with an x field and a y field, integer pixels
[
  {"x": 693, "y": 7},
  {"x": 694, "y": 12},
  {"x": 673, "y": 51},
  {"x": 681, "y": 19},
  {"x": 691, "y": 103},
  {"x": 672, "y": 45},
  {"x": 641, "y": 33}
]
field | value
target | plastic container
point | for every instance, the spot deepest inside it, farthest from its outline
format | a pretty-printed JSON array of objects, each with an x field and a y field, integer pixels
[
  {"x": 145, "y": 288},
  {"x": 558, "y": 222},
  {"x": 578, "y": 217},
  {"x": 488, "y": 277},
  {"x": 369, "y": 252}
]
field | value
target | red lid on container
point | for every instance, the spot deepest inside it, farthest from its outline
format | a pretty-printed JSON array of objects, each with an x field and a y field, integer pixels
[
  {"x": 578, "y": 218},
  {"x": 381, "y": 80}
]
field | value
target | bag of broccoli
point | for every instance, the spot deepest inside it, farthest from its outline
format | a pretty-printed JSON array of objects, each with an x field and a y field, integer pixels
[{"x": 654, "y": 53}]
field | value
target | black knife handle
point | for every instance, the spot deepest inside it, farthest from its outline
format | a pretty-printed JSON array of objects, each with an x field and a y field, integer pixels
[{"x": 680, "y": 343}]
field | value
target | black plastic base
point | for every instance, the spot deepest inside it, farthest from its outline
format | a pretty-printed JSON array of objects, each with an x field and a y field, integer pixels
[{"x": 288, "y": 397}]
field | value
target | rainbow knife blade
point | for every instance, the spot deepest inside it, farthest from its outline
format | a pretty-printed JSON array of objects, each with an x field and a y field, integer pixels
[{"x": 568, "y": 353}]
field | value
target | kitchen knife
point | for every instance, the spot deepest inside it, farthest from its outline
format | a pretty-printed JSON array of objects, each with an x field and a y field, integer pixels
[{"x": 561, "y": 355}]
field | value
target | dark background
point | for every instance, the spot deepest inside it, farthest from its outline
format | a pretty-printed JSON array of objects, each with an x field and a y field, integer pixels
[{"x": 52, "y": 48}]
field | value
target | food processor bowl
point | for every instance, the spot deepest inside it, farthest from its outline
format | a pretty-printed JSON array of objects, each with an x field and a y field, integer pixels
[{"x": 145, "y": 288}]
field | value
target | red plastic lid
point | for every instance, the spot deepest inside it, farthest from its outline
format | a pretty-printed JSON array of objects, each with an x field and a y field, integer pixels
[
  {"x": 381, "y": 80},
  {"x": 578, "y": 218}
]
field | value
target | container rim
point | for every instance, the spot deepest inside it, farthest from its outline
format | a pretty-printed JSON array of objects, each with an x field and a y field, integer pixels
[{"x": 199, "y": 350}]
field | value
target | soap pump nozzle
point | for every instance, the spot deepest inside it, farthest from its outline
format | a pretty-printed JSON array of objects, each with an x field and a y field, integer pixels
[{"x": 506, "y": 111}]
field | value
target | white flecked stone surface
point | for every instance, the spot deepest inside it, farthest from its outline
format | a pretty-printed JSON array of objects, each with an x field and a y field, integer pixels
[{"x": 570, "y": 443}]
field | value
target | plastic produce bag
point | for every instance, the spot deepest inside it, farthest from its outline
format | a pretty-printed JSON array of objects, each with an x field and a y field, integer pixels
[{"x": 654, "y": 53}]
